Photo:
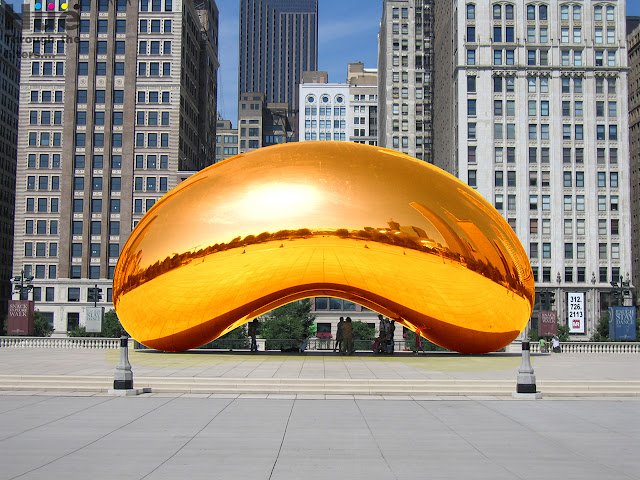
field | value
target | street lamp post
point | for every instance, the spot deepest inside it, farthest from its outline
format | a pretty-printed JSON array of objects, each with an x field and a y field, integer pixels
[
  {"x": 620, "y": 289},
  {"x": 22, "y": 284}
]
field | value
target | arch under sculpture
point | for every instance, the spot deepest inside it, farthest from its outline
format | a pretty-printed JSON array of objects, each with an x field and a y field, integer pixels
[{"x": 362, "y": 223}]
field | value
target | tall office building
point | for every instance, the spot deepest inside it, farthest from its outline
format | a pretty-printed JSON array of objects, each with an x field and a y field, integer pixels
[
  {"x": 531, "y": 110},
  {"x": 278, "y": 41},
  {"x": 10, "y": 32},
  {"x": 633, "y": 41},
  {"x": 107, "y": 125},
  {"x": 405, "y": 54}
]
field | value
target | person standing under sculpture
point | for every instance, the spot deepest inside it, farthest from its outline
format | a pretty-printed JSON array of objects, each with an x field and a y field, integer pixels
[
  {"x": 347, "y": 336},
  {"x": 556, "y": 344},
  {"x": 253, "y": 331},
  {"x": 391, "y": 329},
  {"x": 338, "y": 344}
]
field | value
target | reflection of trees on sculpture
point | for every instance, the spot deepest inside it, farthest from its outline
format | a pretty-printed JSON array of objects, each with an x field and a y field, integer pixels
[{"x": 419, "y": 241}]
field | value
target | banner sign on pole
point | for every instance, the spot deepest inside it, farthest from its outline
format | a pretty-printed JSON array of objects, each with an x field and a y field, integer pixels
[
  {"x": 547, "y": 323},
  {"x": 575, "y": 305},
  {"x": 20, "y": 320},
  {"x": 94, "y": 319},
  {"x": 622, "y": 323}
]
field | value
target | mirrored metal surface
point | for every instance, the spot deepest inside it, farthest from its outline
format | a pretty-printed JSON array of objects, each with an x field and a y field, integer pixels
[{"x": 362, "y": 223}]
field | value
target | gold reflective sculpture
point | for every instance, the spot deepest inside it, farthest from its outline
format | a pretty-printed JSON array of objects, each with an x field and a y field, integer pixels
[{"x": 337, "y": 219}]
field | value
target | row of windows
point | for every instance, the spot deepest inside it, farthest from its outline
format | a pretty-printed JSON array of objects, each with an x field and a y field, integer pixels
[
  {"x": 95, "y": 227},
  {"x": 546, "y": 201},
  {"x": 338, "y": 137},
  {"x": 47, "y": 68},
  {"x": 154, "y": 69},
  {"x": 97, "y": 161},
  {"x": 226, "y": 150},
  {"x": 40, "y": 249},
  {"x": 541, "y": 57},
  {"x": 46, "y": 139},
  {"x": 541, "y": 84},
  {"x": 581, "y": 277},
  {"x": 153, "y": 47},
  {"x": 95, "y": 250},
  {"x": 567, "y": 12},
  {"x": 43, "y": 182},
  {"x": 73, "y": 293},
  {"x": 43, "y": 205},
  {"x": 580, "y": 251},
  {"x": 137, "y": 205},
  {"x": 155, "y": 26},
  {"x": 543, "y": 226},
  {"x": 567, "y": 179},
  {"x": 46, "y": 96},
  {"x": 100, "y": 96},
  {"x": 40, "y": 272},
  {"x": 508, "y": 131},
  {"x": 46, "y": 46},
  {"x": 102, "y": 26},
  {"x": 227, "y": 139},
  {"x": 326, "y": 124},
  {"x": 43, "y": 161},
  {"x": 326, "y": 111},
  {"x": 41, "y": 227},
  {"x": 152, "y": 184},
  {"x": 156, "y": 5},
  {"x": 96, "y": 205},
  {"x": 151, "y": 118}
]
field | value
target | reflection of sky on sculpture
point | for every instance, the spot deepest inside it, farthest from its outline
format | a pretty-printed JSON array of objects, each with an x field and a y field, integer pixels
[{"x": 308, "y": 211}]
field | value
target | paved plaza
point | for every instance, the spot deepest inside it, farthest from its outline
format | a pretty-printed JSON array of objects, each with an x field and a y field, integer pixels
[
  {"x": 92, "y": 435},
  {"x": 164, "y": 437}
]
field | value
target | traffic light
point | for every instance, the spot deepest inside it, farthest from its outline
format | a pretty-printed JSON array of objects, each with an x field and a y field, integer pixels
[
  {"x": 94, "y": 294},
  {"x": 552, "y": 298}
]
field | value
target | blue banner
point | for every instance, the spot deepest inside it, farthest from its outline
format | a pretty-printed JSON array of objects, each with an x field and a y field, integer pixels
[{"x": 622, "y": 323}]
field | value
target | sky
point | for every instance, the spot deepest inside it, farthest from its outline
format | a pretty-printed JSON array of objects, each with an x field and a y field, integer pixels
[{"x": 347, "y": 32}]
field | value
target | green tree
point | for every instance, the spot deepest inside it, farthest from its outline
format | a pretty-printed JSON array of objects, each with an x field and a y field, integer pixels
[
  {"x": 563, "y": 333},
  {"x": 288, "y": 324},
  {"x": 601, "y": 333},
  {"x": 41, "y": 326},
  {"x": 533, "y": 335},
  {"x": 363, "y": 331}
]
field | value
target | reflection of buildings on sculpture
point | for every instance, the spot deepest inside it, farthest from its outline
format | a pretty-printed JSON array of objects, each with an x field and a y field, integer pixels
[
  {"x": 340, "y": 111},
  {"x": 540, "y": 129},
  {"x": 139, "y": 117}
]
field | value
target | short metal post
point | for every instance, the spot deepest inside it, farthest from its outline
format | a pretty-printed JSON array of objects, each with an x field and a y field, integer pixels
[
  {"x": 123, "y": 378},
  {"x": 526, "y": 383}
]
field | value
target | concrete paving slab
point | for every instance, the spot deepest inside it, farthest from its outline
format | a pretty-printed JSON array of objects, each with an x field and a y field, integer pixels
[{"x": 271, "y": 438}]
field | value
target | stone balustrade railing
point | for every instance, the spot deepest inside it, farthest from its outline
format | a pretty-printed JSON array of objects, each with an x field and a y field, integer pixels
[
  {"x": 592, "y": 347},
  {"x": 59, "y": 342}
]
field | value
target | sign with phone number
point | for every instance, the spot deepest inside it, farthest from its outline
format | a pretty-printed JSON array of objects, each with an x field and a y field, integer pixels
[{"x": 575, "y": 306}]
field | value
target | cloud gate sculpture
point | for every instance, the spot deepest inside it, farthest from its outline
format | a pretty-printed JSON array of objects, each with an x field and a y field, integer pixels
[{"x": 335, "y": 219}]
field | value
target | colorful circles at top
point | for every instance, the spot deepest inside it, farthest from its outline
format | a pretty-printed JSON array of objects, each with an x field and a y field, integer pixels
[{"x": 51, "y": 6}]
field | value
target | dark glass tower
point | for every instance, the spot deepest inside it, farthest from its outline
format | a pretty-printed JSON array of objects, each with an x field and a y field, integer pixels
[{"x": 278, "y": 41}]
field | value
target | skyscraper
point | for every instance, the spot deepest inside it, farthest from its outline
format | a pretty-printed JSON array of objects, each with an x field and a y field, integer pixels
[
  {"x": 278, "y": 41},
  {"x": 10, "y": 32},
  {"x": 633, "y": 39},
  {"x": 405, "y": 69},
  {"x": 106, "y": 127},
  {"x": 531, "y": 110}
]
